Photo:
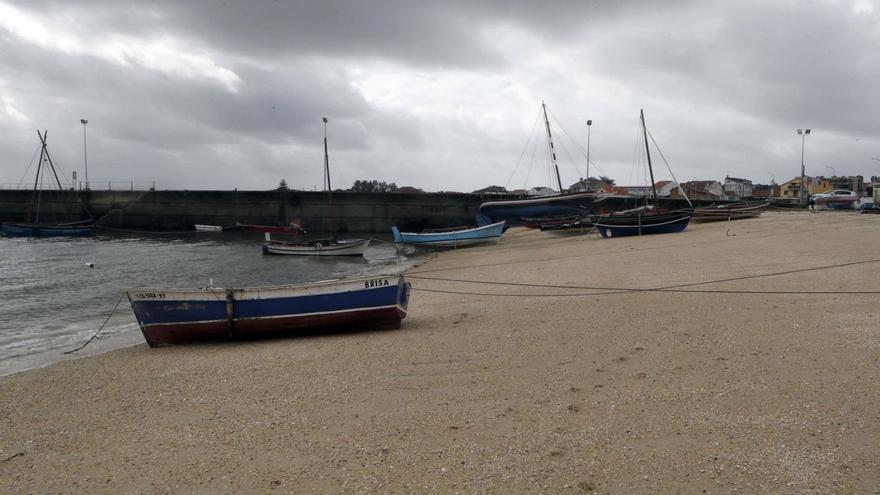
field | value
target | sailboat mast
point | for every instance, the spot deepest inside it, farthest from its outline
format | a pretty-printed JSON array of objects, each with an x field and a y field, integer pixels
[
  {"x": 327, "y": 179},
  {"x": 648, "y": 153},
  {"x": 552, "y": 150}
]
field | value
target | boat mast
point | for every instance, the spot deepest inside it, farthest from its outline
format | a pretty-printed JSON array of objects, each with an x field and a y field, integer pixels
[
  {"x": 327, "y": 181},
  {"x": 648, "y": 153},
  {"x": 552, "y": 150}
]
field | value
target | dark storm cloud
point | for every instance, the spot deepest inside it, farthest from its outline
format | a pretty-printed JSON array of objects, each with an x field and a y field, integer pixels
[{"x": 436, "y": 94}]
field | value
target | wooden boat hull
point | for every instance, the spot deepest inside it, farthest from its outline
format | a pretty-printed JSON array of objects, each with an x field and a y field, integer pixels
[
  {"x": 175, "y": 316},
  {"x": 209, "y": 228},
  {"x": 568, "y": 228},
  {"x": 30, "y": 230},
  {"x": 629, "y": 225},
  {"x": 514, "y": 211},
  {"x": 729, "y": 212},
  {"x": 346, "y": 247},
  {"x": 487, "y": 234}
]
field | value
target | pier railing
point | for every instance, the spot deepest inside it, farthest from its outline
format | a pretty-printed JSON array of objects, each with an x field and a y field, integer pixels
[{"x": 132, "y": 185}]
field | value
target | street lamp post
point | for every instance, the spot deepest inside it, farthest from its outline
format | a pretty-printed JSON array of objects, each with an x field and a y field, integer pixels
[
  {"x": 772, "y": 185},
  {"x": 589, "y": 125},
  {"x": 85, "y": 152},
  {"x": 833, "y": 172},
  {"x": 803, "y": 193}
]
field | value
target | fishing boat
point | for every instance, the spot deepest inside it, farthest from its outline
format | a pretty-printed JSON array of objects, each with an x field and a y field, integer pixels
[
  {"x": 316, "y": 247},
  {"x": 319, "y": 247},
  {"x": 175, "y": 316},
  {"x": 569, "y": 227},
  {"x": 208, "y": 228},
  {"x": 43, "y": 221},
  {"x": 515, "y": 211},
  {"x": 647, "y": 219},
  {"x": 451, "y": 237},
  {"x": 731, "y": 211}
]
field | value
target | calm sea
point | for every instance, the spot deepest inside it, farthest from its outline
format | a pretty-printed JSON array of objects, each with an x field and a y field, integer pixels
[{"x": 51, "y": 301}]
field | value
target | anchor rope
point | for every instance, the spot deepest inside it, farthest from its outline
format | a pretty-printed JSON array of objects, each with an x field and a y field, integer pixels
[{"x": 102, "y": 326}]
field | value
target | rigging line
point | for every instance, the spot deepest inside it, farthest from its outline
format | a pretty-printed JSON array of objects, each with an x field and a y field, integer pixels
[
  {"x": 668, "y": 288},
  {"x": 30, "y": 164},
  {"x": 669, "y": 169},
  {"x": 531, "y": 164},
  {"x": 704, "y": 291},
  {"x": 525, "y": 148},
  {"x": 102, "y": 326},
  {"x": 578, "y": 146},
  {"x": 602, "y": 253}
]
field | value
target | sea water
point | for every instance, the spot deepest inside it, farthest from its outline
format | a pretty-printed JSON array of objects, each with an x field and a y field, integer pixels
[{"x": 55, "y": 293}]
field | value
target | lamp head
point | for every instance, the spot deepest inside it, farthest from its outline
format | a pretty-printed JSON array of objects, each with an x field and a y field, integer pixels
[
  {"x": 589, "y": 122},
  {"x": 324, "y": 119},
  {"x": 83, "y": 121},
  {"x": 800, "y": 131},
  {"x": 807, "y": 131}
]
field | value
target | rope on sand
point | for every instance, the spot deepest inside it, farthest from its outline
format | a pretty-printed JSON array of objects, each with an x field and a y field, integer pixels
[
  {"x": 102, "y": 326},
  {"x": 678, "y": 288}
]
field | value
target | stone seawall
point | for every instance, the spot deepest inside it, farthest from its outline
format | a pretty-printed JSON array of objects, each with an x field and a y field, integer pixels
[{"x": 180, "y": 210}]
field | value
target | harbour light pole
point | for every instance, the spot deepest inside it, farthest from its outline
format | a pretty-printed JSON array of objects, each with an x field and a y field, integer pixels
[
  {"x": 833, "y": 172},
  {"x": 772, "y": 185},
  {"x": 803, "y": 196},
  {"x": 85, "y": 152},
  {"x": 589, "y": 125}
]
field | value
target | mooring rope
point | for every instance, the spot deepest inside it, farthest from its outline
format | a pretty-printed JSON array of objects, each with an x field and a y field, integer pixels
[{"x": 102, "y": 326}]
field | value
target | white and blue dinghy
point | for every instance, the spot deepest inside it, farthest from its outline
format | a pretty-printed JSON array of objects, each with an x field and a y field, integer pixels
[
  {"x": 175, "y": 316},
  {"x": 451, "y": 237}
]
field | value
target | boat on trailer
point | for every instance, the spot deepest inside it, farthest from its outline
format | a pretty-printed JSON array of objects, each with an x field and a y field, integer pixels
[
  {"x": 454, "y": 237},
  {"x": 176, "y": 316},
  {"x": 731, "y": 211}
]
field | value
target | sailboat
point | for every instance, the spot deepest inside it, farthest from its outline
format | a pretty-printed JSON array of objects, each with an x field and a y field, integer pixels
[
  {"x": 644, "y": 220},
  {"x": 515, "y": 211},
  {"x": 38, "y": 215},
  {"x": 319, "y": 247}
]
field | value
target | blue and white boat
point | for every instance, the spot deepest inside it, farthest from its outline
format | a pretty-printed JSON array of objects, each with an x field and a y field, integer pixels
[
  {"x": 517, "y": 211},
  {"x": 174, "y": 316},
  {"x": 452, "y": 237},
  {"x": 42, "y": 230}
]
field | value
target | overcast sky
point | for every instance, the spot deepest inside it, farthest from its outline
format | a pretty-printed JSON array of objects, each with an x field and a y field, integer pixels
[{"x": 438, "y": 95}]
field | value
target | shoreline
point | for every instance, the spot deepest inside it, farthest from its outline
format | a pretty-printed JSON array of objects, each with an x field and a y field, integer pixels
[{"x": 520, "y": 385}]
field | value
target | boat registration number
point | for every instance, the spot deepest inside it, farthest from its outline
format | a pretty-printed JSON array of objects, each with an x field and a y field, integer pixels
[
  {"x": 379, "y": 282},
  {"x": 149, "y": 295}
]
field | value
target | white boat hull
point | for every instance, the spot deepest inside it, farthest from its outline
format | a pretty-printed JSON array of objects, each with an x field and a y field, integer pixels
[{"x": 346, "y": 247}]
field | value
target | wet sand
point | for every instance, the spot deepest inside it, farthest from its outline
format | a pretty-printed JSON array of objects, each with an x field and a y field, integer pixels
[{"x": 527, "y": 390}]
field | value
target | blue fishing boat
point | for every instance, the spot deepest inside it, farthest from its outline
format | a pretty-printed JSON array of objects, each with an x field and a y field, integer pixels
[
  {"x": 174, "y": 316},
  {"x": 645, "y": 220},
  {"x": 643, "y": 223},
  {"x": 451, "y": 237}
]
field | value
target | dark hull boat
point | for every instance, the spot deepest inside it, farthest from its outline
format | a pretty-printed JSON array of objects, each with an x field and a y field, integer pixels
[
  {"x": 175, "y": 316},
  {"x": 517, "y": 212},
  {"x": 645, "y": 220},
  {"x": 40, "y": 221},
  {"x": 643, "y": 223},
  {"x": 733, "y": 211},
  {"x": 42, "y": 230}
]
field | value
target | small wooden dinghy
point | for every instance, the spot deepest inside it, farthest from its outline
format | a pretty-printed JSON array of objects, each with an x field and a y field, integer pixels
[
  {"x": 317, "y": 247},
  {"x": 174, "y": 316},
  {"x": 452, "y": 237},
  {"x": 732, "y": 211},
  {"x": 208, "y": 228}
]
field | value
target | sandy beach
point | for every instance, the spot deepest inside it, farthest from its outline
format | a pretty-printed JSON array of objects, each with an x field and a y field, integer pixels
[{"x": 496, "y": 387}]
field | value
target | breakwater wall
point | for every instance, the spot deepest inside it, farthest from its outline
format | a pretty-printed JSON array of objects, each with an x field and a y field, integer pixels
[{"x": 180, "y": 210}]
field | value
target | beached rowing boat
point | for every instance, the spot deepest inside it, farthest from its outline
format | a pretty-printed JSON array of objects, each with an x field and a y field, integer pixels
[
  {"x": 173, "y": 316},
  {"x": 732, "y": 211},
  {"x": 317, "y": 247},
  {"x": 452, "y": 237}
]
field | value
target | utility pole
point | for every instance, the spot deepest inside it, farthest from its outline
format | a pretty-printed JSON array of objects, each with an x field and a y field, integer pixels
[
  {"x": 85, "y": 152},
  {"x": 589, "y": 125},
  {"x": 803, "y": 195}
]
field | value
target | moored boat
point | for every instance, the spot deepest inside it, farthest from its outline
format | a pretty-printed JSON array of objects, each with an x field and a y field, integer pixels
[
  {"x": 293, "y": 228},
  {"x": 317, "y": 247},
  {"x": 43, "y": 230},
  {"x": 731, "y": 211},
  {"x": 645, "y": 220},
  {"x": 571, "y": 227},
  {"x": 451, "y": 237},
  {"x": 174, "y": 316},
  {"x": 208, "y": 228}
]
